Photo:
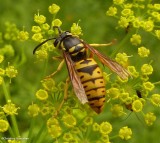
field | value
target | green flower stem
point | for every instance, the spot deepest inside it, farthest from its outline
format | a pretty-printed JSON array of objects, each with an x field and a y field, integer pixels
[
  {"x": 31, "y": 130},
  {"x": 1, "y": 137},
  {"x": 13, "y": 118},
  {"x": 40, "y": 138},
  {"x": 158, "y": 82},
  {"x": 15, "y": 126},
  {"x": 5, "y": 90},
  {"x": 113, "y": 137}
]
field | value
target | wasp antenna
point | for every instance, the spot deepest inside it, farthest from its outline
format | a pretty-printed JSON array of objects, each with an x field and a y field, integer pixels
[
  {"x": 59, "y": 29},
  {"x": 41, "y": 44}
]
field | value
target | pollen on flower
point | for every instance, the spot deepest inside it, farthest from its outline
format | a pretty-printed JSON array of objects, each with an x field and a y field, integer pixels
[
  {"x": 42, "y": 94},
  {"x": 135, "y": 39},
  {"x": 37, "y": 37},
  {"x": 23, "y": 35},
  {"x": 149, "y": 118},
  {"x": 1, "y": 80},
  {"x": 113, "y": 93},
  {"x": 105, "y": 138},
  {"x": 127, "y": 12},
  {"x": 67, "y": 136},
  {"x": 2, "y": 72},
  {"x": 124, "y": 96},
  {"x": 3, "y": 125},
  {"x": 53, "y": 9},
  {"x": 76, "y": 29},
  {"x": 136, "y": 23},
  {"x": 10, "y": 108},
  {"x": 137, "y": 105},
  {"x": 143, "y": 52},
  {"x": 125, "y": 133},
  {"x": 56, "y": 22},
  {"x": 148, "y": 86},
  {"x": 41, "y": 54},
  {"x": 69, "y": 120},
  {"x": 112, "y": 11},
  {"x": 1, "y": 58},
  {"x": 88, "y": 121},
  {"x": 105, "y": 128},
  {"x": 118, "y": 2},
  {"x": 45, "y": 26},
  {"x": 45, "y": 110},
  {"x": 156, "y": 6},
  {"x": 40, "y": 19},
  {"x": 123, "y": 22},
  {"x": 132, "y": 70},
  {"x": 96, "y": 126},
  {"x": 49, "y": 84},
  {"x": 8, "y": 50},
  {"x": 122, "y": 58},
  {"x": 11, "y": 72},
  {"x": 54, "y": 128},
  {"x": 157, "y": 32},
  {"x": 33, "y": 110},
  {"x": 128, "y": 100},
  {"x": 117, "y": 110},
  {"x": 36, "y": 29},
  {"x": 155, "y": 99},
  {"x": 146, "y": 69},
  {"x": 148, "y": 26}
]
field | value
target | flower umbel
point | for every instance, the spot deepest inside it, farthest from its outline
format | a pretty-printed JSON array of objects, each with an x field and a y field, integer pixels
[
  {"x": 117, "y": 110},
  {"x": 135, "y": 39},
  {"x": 76, "y": 29},
  {"x": 149, "y": 118},
  {"x": 125, "y": 133},
  {"x": 33, "y": 110},
  {"x": 137, "y": 105},
  {"x": 54, "y": 128},
  {"x": 53, "y": 9},
  {"x": 40, "y": 19},
  {"x": 105, "y": 128},
  {"x": 146, "y": 69},
  {"x": 11, "y": 72},
  {"x": 42, "y": 94},
  {"x": 10, "y": 108},
  {"x": 69, "y": 120},
  {"x": 155, "y": 99},
  {"x": 3, "y": 125},
  {"x": 23, "y": 35},
  {"x": 143, "y": 52}
]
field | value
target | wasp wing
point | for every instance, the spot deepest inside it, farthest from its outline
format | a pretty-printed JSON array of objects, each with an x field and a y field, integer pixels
[
  {"x": 77, "y": 85},
  {"x": 113, "y": 65}
]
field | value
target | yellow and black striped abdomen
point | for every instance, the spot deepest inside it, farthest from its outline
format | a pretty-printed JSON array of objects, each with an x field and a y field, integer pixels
[{"x": 93, "y": 82}]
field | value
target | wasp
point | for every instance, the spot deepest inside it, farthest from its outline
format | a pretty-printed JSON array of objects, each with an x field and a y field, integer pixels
[{"x": 85, "y": 74}]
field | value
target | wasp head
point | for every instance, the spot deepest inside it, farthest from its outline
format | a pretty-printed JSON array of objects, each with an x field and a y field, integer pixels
[
  {"x": 58, "y": 40},
  {"x": 61, "y": 37}
]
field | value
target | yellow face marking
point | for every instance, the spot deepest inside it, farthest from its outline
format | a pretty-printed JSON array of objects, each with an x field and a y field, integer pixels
[
  {"x": 72, "y": 49},
  {"x": 82, "y": 50},
  {"x": 75, "y": 54},
  {"x": 80, "y": 45},
  {"x": 62, "y": 46}
]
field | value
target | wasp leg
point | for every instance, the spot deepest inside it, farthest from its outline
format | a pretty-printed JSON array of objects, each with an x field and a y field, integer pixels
[
  {"x": 100, "y": 45},
  {"x": 58, "y": 58},
  {"x": 103, "y": 45},
  {"x": 65, "y": 96},
  {"x": 58, "y": 69}
]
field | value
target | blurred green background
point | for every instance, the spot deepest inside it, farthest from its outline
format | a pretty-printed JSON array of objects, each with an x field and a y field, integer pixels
[{"x": 97, "y": 28}]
